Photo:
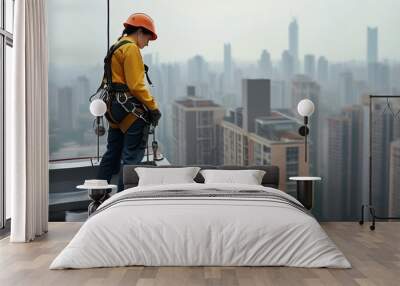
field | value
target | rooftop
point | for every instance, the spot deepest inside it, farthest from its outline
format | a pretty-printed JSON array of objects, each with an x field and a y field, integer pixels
[
  {"x": 278, "y": 128},
  {"x": 196, "y": 102},
  {"x": 280, "y": 125}
]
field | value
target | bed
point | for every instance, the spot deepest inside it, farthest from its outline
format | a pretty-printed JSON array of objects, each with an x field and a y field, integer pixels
[{"x": 199, "y": 224}]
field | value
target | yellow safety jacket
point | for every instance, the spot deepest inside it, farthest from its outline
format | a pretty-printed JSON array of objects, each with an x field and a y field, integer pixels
[{"x": 127, "y": 68}]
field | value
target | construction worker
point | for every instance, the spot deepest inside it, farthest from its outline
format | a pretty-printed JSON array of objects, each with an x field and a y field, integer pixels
[{"x": 131, "y": 109}]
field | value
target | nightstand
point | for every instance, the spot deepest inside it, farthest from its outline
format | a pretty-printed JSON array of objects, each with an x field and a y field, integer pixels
[
  {"x": 97, "y": 192},
  {"x": 305, "y": 190}
]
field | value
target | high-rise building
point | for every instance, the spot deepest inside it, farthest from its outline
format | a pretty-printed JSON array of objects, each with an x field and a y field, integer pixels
[
  {"x": 167, "y": 81},
  {"x": 198, "y": 75},
  {"x": 277, "y": 142},
  {"x": 287, "y": 65},
  {"x": 265, "y": 65},
  {"x": 82, "y": 90},
  {"x": 355, "y": 114},
  {"x": 256, "y": 101},
  {"x": 279, "y": 94},
  {"x": 309, "y": 66},
  {"x": 228, "y": 71},
  {"x": 379, "y": 78},
  {"x": 360, "y": 89},
  {"x": 343, "y": 195},
  {"x": 372, "y": 45},
  {"x": 346, "y": 89},
  {"x": 322, "y": 70},
  {"x": 194, "y": 130},
  {"x": 66, "y": 112},
  {"x": 382, "y": 134},
  {"x": 274, "y": 142},
  {"x": 294, "y": 44},
  {"x": 235, "y": 142},
  {"x": 383, "y": 79},
  {"x": 338, "y": 152},
  {"x": 373, "y": 64},
  {"x": 394, "y": 185}
]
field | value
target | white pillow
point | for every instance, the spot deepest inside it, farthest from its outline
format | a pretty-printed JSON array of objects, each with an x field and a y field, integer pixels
[
  {"x": 248, "y": 177},
  {"x": 166, "y": 176}
]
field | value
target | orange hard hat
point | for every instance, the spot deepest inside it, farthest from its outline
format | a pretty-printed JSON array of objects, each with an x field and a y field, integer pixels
[{"x": 142, "y": 20}]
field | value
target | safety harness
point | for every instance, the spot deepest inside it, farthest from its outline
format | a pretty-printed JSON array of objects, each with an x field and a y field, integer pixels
[{"x": 110, "y": 91}]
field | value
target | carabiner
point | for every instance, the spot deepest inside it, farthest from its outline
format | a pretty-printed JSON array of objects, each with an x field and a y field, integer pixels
[
  {"x": 104, "y": 95},
  {"x": 119, "y": 95}
]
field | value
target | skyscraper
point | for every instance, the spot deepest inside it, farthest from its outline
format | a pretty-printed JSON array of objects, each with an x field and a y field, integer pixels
[
  {"x": 294, "y": 43},
  {"x": 373, "y": 65},
  {"x": 198, "y": 75},
  {"x": 355, "y": 115},
  {"x": 309, "y": 66},
  {"x": 346, "y": 89},
  {"x": 287, "y": 65},
  {"x": 379, "y": 78},
  {"x": 66, "y": 112},
  {"x": 228, "y": 73},
  {"x": 322, "y": 70},
  {"x": 197, "y": 70},
  {"x": 235, "y": 142},
  {"x": 383, "y": 78},
  {"x": 265, "y": 65},
  {"x": 194, "y": 130},
  {"x": 372, "y": 45},
  {"x": 168, "y": 89},
  {"x": 82, "y": 90},
  {"x": 345, "y": 161},
  {"x": 256, "y": 101},
  {"x": 382, "y": 134},
  {"x": 279, "y": 91},
  {"x": 338, "y": 152}
]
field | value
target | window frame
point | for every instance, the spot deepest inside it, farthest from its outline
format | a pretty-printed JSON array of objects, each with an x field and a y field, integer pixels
[{"x": 6, "y": 39}]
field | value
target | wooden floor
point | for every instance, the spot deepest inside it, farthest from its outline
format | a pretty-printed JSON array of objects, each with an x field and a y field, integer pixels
[{"x": 374, "y": 255}]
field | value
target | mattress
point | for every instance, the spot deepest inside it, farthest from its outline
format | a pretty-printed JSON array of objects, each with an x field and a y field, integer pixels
[{"x": 201, "y": 225}]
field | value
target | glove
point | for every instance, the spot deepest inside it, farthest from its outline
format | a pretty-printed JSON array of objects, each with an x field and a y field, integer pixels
[{"x": 155, "y": 116}]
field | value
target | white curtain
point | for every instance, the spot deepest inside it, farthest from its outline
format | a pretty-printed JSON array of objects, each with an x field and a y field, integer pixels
[{"x": 27, "y": 123}]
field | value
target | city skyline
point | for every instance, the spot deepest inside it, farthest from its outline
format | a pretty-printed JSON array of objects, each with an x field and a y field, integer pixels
[{"x": 339, "y": 35}]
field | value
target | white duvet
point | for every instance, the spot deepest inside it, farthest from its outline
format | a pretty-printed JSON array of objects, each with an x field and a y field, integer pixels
[{"x": 200, "y": 231}]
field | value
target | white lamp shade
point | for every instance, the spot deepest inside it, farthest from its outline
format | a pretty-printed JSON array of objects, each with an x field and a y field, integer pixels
[
  {"x": 98, "y": 107},
  {"x": 305, "y": 107}
]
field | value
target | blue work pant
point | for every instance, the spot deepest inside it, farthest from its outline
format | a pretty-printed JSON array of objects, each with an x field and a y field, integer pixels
[{"x": 129, "y": 146}]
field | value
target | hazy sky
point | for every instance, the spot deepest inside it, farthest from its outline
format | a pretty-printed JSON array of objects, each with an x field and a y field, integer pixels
[{"x": 333, "y": 28}]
